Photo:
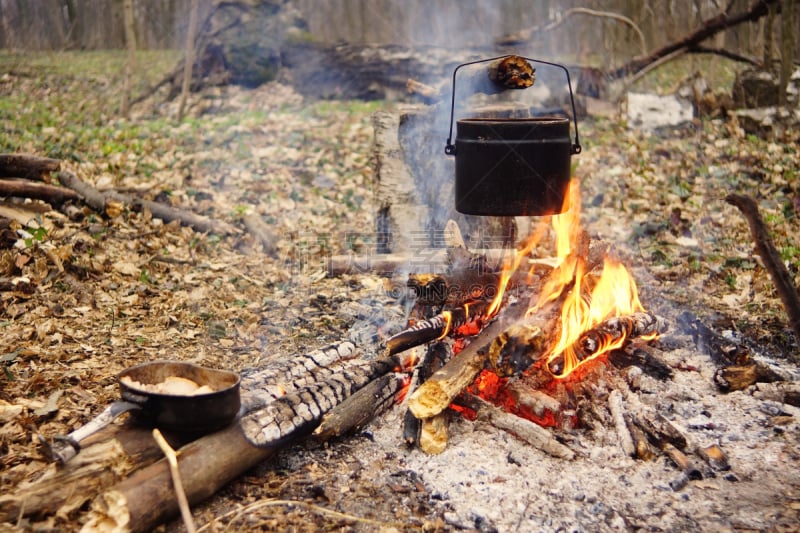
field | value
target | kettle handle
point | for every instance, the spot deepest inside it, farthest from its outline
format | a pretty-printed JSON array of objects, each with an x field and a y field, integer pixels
[{"x": 450, "y": 148}]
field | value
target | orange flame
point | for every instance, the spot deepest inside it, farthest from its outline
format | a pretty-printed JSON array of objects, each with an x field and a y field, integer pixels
[
  {"x": 585, "y": 304},
  {"x": 586, "y": 301}
]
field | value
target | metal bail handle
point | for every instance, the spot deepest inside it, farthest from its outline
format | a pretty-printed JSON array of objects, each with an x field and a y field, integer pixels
[{"x": 450, "y": 148}]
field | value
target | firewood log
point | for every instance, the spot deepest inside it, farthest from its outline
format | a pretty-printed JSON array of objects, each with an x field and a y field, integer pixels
[
  {"x": 433, "y": 396},
  {"x": 441, "y": 325},
  {"x": 357, "y": 410},
  {"x": 37, "y": 191},
  {"x": 299, "y": 413},
  {"x": 636, "y": 325},
  {"x": 27, "y": 166}
]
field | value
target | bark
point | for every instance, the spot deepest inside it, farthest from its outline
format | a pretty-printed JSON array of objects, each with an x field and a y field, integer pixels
[
  {"x": 27, "y": 166},
  {"x": 147, "y": 498},
  {"x": 37, "y": 191},
  {"x": 771, "y": 258}
]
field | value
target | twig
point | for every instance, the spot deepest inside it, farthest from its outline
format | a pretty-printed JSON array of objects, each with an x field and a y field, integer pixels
[
  {"x": 772, "y": 259},
  {"x": 172, "y": 459},
  {"x": 238, "y": 513}
]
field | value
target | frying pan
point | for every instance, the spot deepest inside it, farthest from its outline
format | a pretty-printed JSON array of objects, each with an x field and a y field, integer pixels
[{"x": 193, "y": 415}]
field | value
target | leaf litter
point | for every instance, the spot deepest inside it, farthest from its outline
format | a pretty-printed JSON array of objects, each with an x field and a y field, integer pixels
[{"x": 103, "y": 291}]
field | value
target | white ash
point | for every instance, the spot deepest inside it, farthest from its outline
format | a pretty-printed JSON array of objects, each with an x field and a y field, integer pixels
[{"x": 488, "y": 480}]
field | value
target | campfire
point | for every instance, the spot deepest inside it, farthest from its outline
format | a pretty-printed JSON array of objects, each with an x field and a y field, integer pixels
[{"x": 528, "y": 339}]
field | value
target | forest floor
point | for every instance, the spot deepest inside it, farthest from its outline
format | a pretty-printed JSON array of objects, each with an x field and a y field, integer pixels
[{"x": 86, "y": 297}]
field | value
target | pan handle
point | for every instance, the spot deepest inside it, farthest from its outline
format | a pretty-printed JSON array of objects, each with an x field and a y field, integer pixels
[
  {"x": 450, "y": 148},
  {"x": 65, "y": 447}
]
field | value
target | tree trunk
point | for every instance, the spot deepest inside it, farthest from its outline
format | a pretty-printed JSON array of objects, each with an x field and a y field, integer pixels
[
  {"x": 787, "y": 48},
  {"x": 130, "y": 41},
  {"x": 189, "y": 61}
]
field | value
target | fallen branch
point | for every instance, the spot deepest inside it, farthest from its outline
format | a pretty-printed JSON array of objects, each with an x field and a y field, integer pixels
[
  {"x": 109, "y": 203},
  {"x": 27, "y": 166},
  {"x": 528, "y": 33},
  {"x": 771, "y": 258},
  {"x": 708, "y": 29},
  {"x": 37, "y": 191}
]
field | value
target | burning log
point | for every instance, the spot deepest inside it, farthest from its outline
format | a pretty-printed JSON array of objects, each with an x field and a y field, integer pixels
[
  {"x": 517, "y": 348},
  {"x": 299, "y": 413},
  {"x": 609, "y": 332},
  {"x": 357, "y": 410},
  {"x": 439, "y": 326},
  {"x": 440, "y": 390},
  {"x": 524, "y": 429}
]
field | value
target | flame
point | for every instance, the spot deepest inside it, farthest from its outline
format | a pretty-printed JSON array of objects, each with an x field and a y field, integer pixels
[
  {"x": 448, "y": 316},
  {"x": 586, "y": 303}
]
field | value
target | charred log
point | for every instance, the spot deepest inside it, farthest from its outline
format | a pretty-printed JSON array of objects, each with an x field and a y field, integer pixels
[
  {"x": 642, "y": 357},
  {"x": 439, "y": 326},
  {"x": 297, "y": 414},
  {"x": 610, "y": 332},
  {"x": 524, "y": 429},
  {"x": 359, "y": 409},
  {"x": 263, "y": 386}
]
